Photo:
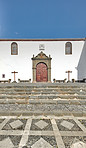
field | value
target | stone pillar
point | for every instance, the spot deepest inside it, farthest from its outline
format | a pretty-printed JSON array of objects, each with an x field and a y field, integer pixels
[
  {"x": 34, "y": 74},
  {"x": 49, "y": 74}
]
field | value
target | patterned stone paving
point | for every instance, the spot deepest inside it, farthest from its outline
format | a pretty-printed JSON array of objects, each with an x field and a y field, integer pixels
[
  {"x": 67, "y": 124},
  {"x": 78, "y": 145},
  {"x": 42, "y": 132},
  {"x": 41, "y": 143},
  {"x": 4, "y": 143},
  {"x": 41, "y": 124},
  {"x": 16, "y": 124}
]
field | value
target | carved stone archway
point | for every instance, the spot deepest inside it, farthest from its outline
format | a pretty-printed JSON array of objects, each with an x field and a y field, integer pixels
[{"x": 43, "y": 59}]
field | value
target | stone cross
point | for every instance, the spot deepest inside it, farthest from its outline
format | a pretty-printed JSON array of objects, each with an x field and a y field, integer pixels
[
  {"x": 68, "y": 74},
  {"x": 14, "y": 75}
]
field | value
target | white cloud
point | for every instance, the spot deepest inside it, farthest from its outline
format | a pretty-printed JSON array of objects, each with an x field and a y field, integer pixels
[{"x": 16, "y": 33}]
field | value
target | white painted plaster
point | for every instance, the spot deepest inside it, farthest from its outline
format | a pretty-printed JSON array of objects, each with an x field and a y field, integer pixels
[{"x": 60, "y": 63}]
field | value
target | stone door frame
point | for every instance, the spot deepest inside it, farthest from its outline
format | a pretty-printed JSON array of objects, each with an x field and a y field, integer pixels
[{"x": 41, "y": 58}]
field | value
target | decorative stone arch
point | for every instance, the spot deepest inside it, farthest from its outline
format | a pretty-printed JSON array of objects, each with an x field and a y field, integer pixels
[{"x": 41, "y": 58}]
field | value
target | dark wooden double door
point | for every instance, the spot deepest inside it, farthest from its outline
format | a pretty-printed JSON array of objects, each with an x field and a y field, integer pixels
[{"x": 41, "y": 72}]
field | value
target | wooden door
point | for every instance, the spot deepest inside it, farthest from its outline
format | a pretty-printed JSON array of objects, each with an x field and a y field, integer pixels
[{"x": 41, "y": 73}]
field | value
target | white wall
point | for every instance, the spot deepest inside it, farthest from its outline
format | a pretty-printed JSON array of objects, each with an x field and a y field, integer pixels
[
  {"x": 22, "y": 62},
  {"x": 82, "y": 64}
]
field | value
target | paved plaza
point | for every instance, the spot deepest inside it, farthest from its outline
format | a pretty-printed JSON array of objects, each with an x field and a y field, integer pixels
[
  {"x": 42, "y": 132},
  {"x": 50, "y": 115}
]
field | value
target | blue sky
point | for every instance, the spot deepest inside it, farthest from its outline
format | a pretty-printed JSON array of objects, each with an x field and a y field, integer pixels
[{"x": 42, "y": 18}]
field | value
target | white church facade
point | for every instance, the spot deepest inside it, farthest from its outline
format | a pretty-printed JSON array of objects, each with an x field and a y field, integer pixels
[{"x": 42, "y": 60}]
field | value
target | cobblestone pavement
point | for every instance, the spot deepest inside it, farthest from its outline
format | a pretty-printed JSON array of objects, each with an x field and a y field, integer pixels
[{"x": 42, "y": 132}]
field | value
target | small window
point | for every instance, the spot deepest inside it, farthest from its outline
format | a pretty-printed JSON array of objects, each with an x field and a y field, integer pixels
[
  {"x": 14, "y": 48},
  {"x": 68, "y": 48},
  {"x": 3, "y": 75}
]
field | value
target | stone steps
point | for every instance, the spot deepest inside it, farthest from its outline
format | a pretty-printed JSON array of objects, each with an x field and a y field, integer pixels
[
  {"x": 42, "y": 109},
  {"x": 49, "y": 96},
  {"x": 45, "y": 90},
  {"x": 28, "y": 93},
  {"x": 53, "y": 92},
  {"x": 43, "y": 101},
  {"x": 26, "y": 100},
  {"x": 14, "y": 101},
  {"x": 42, "y": 88},
  {"x": 47, "y": 99},
  {"x": 58, "y": 96},
  {"x": 42, "y": 94},
  {"x": 57, "y": 101}
]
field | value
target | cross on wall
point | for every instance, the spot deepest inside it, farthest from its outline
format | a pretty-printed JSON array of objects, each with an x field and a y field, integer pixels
[
  {"x": 68, "y": 74},
  {"x": 14, "y": 72}
]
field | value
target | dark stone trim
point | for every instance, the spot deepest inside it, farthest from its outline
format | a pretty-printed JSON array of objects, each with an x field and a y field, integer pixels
[{"x": 63, "y": 39}]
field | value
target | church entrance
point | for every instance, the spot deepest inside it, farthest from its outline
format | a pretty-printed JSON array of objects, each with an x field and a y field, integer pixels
[
  {"x": 41, "y": 72},
  {"x": 41, "y": 68}
]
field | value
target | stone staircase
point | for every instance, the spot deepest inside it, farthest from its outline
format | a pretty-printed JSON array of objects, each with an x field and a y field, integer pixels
[{"x": 43, "y": 98}]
